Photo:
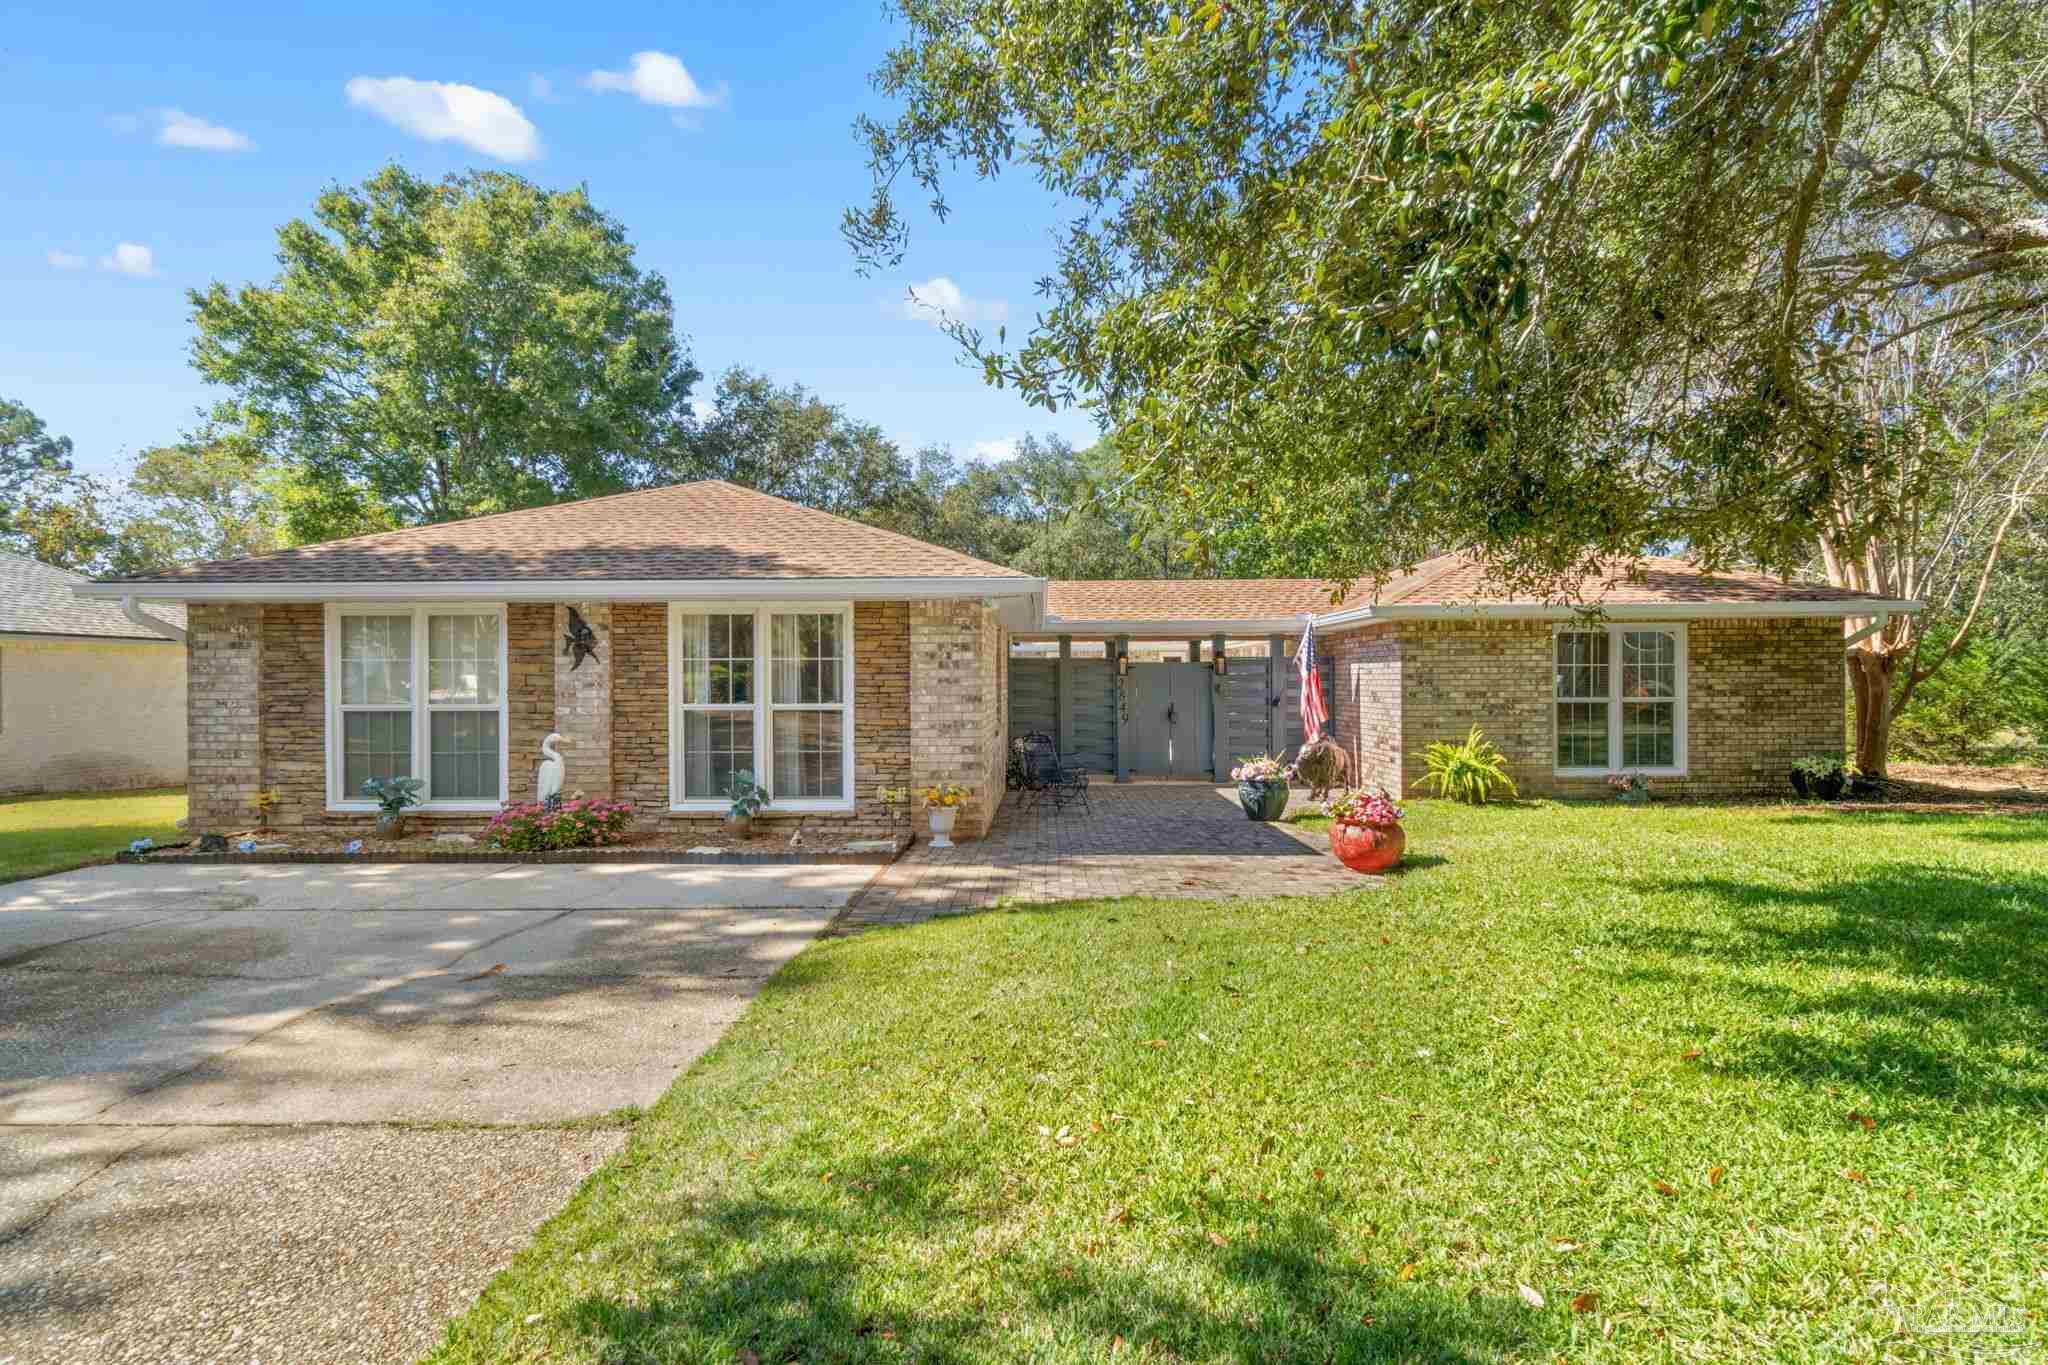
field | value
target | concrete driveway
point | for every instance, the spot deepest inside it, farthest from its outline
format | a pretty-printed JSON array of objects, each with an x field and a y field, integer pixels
[{"x": 216, "y": 1084}]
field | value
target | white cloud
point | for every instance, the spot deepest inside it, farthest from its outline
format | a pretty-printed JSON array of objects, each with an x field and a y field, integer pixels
[
  {"x": 993, "y": 452},
  {"x": 65, "y": 260},
  {"x": 658, "y": 78},
  {"x": 130, "y": 258},
  {"x": 939, "y": 300},
  {"x": 176, "y": 128},
  {"x": 441, "y": 111}
]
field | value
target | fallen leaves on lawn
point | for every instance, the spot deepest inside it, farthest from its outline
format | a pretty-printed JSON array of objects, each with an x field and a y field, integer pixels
[
  {"x": 1120, "y": 1214},
  {"x": 1532, "y": 1297},
  {"x": 1856, "y": 1176},
  {"x": 1155, "y": 1042},
  {"x": 1714, "y": 1174},
  {"x": 1692, "y": 1054},
  {"x": 1665, "y": 1188},
  {"x": 1407, "y": 1272},
  {"x": 748, "y": 1356},
  {"x": 1864, "y": 1121},
  {"x": 1563, "y": 1245},
  {"x": 1218, "y": 1239},
  {"x": 1586, "y": 1302}
]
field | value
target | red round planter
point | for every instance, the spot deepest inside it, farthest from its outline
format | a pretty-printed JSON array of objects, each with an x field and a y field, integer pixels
[{"x": 1364, "y": 848}]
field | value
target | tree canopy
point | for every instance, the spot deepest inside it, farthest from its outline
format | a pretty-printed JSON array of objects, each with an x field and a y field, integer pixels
[
  {"x": 1546, "y": 280},
  {"x": 439, "y": 349}
]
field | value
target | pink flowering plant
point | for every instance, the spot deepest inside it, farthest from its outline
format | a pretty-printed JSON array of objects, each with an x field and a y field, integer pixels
[
  {"x": 1374, "y": 808},
  {"x": 1264, "y": 768},
  {"x": 530, "y": 827}
]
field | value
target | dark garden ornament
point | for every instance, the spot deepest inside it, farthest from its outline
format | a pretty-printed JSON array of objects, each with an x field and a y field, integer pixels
[{"x": 580, "y": 641}]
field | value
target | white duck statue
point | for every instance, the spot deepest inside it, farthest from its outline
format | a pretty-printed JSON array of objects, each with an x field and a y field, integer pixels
[{"x": 547, "y": 783}]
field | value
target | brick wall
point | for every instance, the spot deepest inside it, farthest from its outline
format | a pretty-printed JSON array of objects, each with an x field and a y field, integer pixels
[
  {"x": 1365, "y": 706},
  {"x": 529, "y": 692},
  {"x": 959, "y": 702},
  {"x": 583, "y": 702},
  {"x": 294, "y": 710},
  {"x": 1760, "y": 693},
  {"x": 639, "y": 656},
  {"x": 223, "y": 718},
  {"x": 257, "y": 712}
]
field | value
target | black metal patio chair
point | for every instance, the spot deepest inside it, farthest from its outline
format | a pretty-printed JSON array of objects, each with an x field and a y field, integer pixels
[{"x": 1042, "y": 773}]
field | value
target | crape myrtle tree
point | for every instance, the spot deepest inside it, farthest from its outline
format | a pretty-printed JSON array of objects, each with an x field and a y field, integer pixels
[
  {"x": 438, "y": 349},
  {"x": 1553, "y": 281}
]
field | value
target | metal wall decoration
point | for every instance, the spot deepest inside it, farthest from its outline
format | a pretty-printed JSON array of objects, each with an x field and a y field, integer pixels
[{"x": 580, "y": 641}]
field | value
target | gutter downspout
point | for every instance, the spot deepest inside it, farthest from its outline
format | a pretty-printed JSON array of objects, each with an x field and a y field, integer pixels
[{"x": 155, "y": 625}]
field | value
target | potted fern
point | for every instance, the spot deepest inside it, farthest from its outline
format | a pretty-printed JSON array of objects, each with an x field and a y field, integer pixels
[{"x": 1470, "y": 772}]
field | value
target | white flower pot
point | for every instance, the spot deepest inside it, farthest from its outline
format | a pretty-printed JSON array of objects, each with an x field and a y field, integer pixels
[{"x": 942, "y": 825}]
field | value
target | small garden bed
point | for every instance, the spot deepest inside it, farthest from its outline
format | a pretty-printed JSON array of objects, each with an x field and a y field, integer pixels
[{"x": 695, "y": 844}]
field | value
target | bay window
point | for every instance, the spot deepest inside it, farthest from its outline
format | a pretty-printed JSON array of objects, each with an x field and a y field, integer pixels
[
  {"x": 417, "y": 691},
  {"x": 766, "y": 689},
  {"x": 1618, "y": 699}
]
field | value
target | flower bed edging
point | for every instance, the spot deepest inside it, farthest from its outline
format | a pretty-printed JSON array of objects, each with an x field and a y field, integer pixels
[{"x": 822, "y": 857}]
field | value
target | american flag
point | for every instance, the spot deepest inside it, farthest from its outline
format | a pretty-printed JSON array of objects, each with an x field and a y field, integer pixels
[{"x": 1314, "y": 715}]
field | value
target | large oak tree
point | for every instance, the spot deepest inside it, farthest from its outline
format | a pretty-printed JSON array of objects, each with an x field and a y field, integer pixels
[{"x": 1552, "y": 280}]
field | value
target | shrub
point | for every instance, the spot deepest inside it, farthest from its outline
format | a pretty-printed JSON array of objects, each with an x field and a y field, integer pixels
[
  {"x": 530, "y": 827},
  {"x": 1469, "y": 772},
  {"x": 1987, "y": 690}
]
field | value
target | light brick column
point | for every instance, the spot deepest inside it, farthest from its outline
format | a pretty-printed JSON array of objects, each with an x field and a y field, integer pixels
[
  {"x": 583, "y": 702},
  {"x": 958, "y": 711},
  {"x": 223, "y": 714}
]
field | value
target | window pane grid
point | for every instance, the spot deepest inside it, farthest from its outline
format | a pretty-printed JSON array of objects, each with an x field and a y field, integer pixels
[
  {"x": 1613, "y": 717},
  {"x": 717, "y": 659},
  {"x": 460, "y": 718}
]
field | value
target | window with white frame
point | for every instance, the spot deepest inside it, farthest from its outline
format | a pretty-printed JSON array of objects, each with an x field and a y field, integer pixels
[
  {"x": 1619, "y": 699},
  {"x": 763, "y": 689},
  {"x": 417, "y": 691}
]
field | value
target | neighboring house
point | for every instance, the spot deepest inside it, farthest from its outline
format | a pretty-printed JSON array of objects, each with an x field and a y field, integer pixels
[
  {"x": 736, "y": 631},
  {"x": 91, "y": 699}
]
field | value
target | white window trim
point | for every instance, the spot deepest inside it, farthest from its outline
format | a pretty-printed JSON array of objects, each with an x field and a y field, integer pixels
[
  {"x": 422, "y": 746},
  {"x": 1680, "y": 742},
  {"x": 764, "y": 705}
]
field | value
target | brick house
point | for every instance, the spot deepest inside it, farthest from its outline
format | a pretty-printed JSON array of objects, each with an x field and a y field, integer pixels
[{"x": 736, "y": 631}]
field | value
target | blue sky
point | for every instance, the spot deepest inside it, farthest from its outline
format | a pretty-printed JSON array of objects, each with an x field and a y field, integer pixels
[{"x": 152, "y": 150}]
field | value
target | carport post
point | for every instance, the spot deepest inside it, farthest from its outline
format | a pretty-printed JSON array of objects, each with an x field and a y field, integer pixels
[
  {"x": 1219, "y": 713},
  {"x": 1194, "y": 651},
  {"x": 1274, "y": 645},
  {"x": 1064, "y": 698},
  {"x": 1122, "y": 753}
]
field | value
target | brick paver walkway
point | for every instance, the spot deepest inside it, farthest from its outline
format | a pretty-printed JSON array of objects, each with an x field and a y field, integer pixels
[{"x": 1175, "y": 839}]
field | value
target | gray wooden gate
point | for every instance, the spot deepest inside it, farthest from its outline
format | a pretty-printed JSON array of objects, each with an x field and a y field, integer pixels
[
  {"x": 1173, "y": 720},
  {"x": 1179, "y": 720}
]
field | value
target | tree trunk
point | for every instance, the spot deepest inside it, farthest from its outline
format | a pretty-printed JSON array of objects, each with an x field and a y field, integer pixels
[{"x": 1870, "y": 674}]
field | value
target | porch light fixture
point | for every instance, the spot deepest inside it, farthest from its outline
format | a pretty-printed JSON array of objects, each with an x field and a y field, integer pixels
[
  {"x": 1222, "y": 663},
  {"x": 1123, "y": 665}
]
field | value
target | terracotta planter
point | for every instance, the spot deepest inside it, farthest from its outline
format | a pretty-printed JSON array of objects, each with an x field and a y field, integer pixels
[
  {"x": 1367, "y": 848},
  {"x": 392, "y": 824},
  {"x": 739, "y": 826},
  {"x": 1262, "y": 800}
]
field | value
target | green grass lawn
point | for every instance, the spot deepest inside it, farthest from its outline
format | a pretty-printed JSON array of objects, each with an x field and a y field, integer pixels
[
  {"x": 1680, "y": 1083},
  {"x": 41, "y": 834}
]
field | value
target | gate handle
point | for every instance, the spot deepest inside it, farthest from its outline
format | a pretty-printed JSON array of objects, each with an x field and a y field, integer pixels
[{"x": 1172, "y": 716}]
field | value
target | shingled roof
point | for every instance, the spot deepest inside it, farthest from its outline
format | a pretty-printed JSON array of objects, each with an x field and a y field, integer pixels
[
  {"x": 709, "y": 529},
  {"x": 37, "y": 599},
  {"x": 1189, "y": 599},
  {"x": 1445, "y": 582},
  {"x": 1459, "y": 579}
]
